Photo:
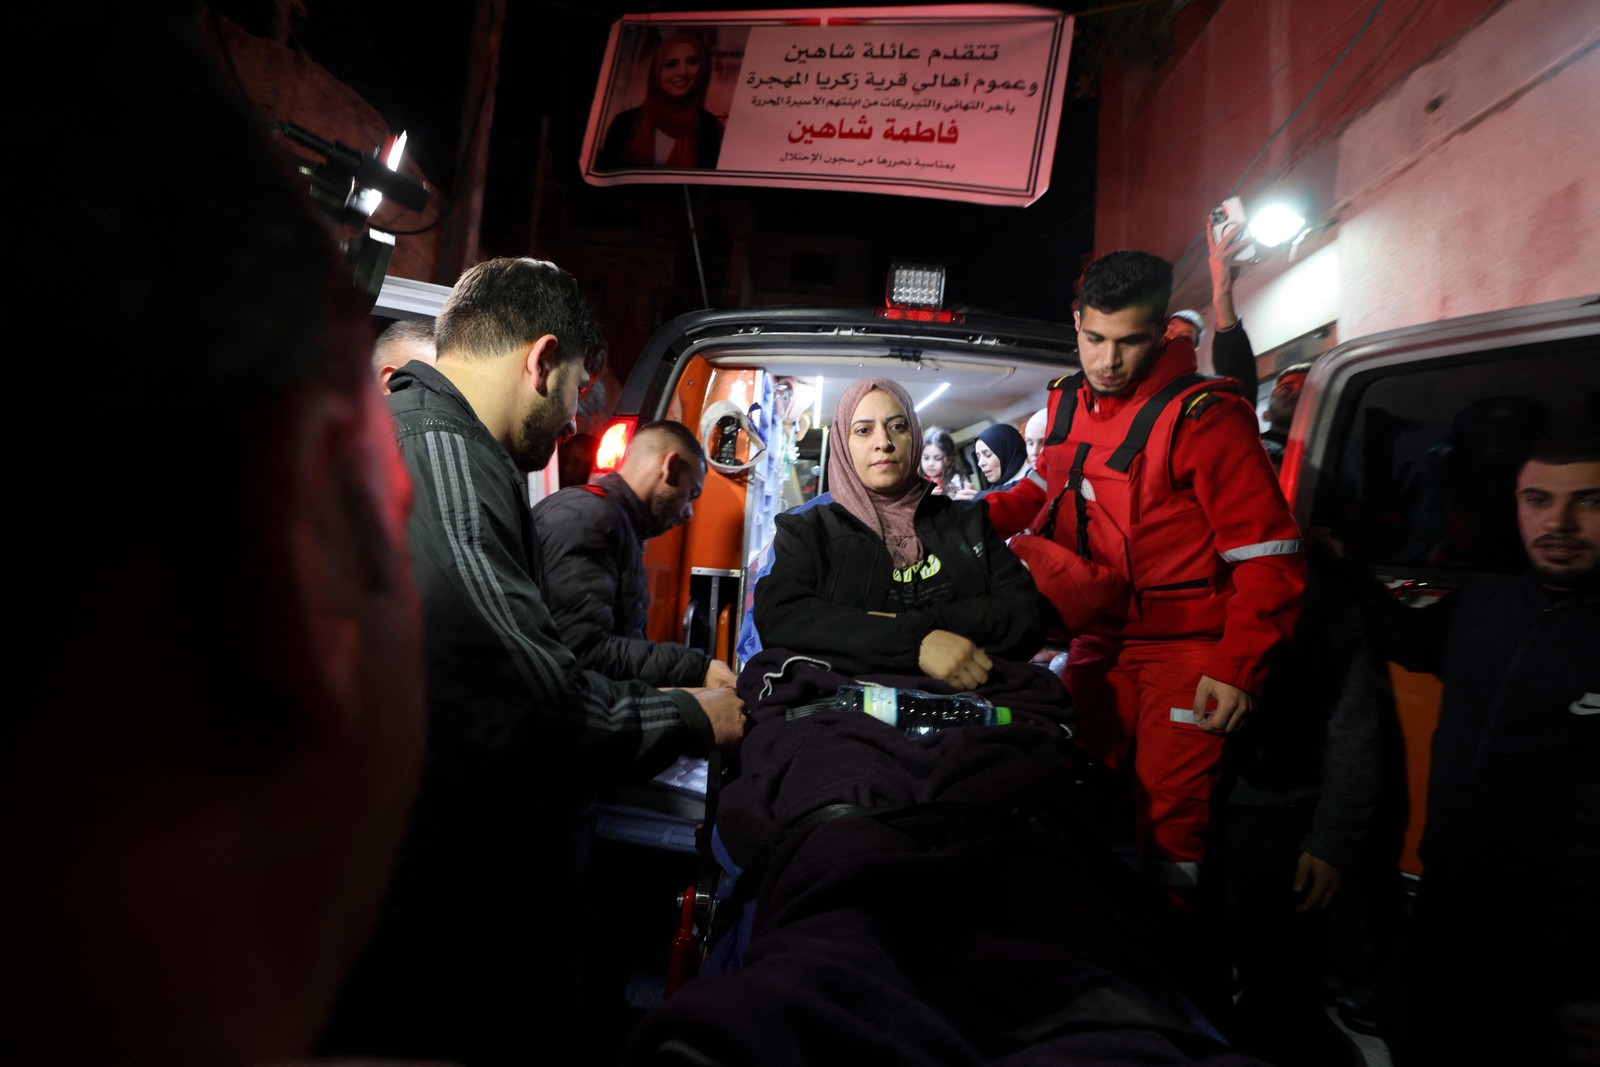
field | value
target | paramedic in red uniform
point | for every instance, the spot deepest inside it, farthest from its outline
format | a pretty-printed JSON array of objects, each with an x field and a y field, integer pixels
[{"x": 1157, "y": 530}]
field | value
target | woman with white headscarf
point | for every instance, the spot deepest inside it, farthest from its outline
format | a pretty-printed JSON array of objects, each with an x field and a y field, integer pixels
[{"x": 890, "y": 577}]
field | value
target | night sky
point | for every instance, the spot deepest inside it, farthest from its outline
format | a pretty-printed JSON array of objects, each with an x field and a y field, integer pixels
[{"x": 1005, "y": 259}]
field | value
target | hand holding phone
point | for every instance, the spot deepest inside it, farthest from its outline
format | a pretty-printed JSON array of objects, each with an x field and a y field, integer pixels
[{"x": 1227, "y": 229}]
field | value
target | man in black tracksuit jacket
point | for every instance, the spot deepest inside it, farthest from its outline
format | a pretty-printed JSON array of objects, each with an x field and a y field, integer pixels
[
  {"x": 1504, "y": 928},
  {"x": 475, "y": 957}
]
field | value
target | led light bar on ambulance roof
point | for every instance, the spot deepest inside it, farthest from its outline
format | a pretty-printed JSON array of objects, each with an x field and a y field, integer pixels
[{"x": 915, "y": 285}]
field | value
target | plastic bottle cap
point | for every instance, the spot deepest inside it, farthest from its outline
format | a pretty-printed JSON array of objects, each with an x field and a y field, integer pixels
[{"x": 1002, "y": 716}]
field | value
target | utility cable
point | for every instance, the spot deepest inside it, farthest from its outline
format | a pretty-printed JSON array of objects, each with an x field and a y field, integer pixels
[{"x": 694, "y": 239}]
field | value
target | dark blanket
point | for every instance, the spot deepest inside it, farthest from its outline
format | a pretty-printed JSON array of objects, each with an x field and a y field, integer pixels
[
  {"x": 974, "y": 916},
  {"x": 871, "y": 948},
  {"x": 791, "y": 768}
]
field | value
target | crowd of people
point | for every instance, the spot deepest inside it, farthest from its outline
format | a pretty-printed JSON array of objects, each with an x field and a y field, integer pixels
[{"x": 309, "y": 717}]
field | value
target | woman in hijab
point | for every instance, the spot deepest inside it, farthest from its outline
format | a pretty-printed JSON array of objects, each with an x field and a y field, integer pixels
[
  {"x": 891, "y": 577},
  {"x": 1001, "y": 454},
  {"x": 671, "y": 128}
]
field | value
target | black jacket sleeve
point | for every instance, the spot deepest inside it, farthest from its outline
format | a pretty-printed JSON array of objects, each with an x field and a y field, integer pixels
[
  {"x": 587, "y": 553},
  {"x": 1007, "y": 620},
  {"x": 1350, "y": 769},
  {"x": 1231, "y": 355}
]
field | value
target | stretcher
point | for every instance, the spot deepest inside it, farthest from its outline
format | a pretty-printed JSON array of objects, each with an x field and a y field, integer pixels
[{"x": 871, "y": 897}]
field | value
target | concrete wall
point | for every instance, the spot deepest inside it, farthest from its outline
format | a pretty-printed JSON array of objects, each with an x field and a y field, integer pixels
[
  {"x": 1175, "y": 141},
  {"x": 1466, "y": 180},
  {"x": 1474, "y": 185}
]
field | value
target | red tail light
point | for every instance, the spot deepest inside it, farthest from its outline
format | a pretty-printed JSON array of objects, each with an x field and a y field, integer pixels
[
  {"x": 614, "y": 444},
  {"x": 921, "y": 315}
]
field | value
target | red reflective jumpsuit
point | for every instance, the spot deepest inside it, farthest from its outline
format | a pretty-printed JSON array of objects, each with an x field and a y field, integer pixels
[{"x": 1188, "y": 563}]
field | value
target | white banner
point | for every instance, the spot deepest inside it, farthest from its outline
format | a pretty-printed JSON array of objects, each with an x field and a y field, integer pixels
[{"x": 960, "y": 102}]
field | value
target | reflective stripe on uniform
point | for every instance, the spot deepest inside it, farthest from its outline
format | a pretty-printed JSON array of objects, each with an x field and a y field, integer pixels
[
  {"x": 1037, "y": 479},
  {"x": 1264, "y": 548},
  {"x": 1180, "y": 875}
]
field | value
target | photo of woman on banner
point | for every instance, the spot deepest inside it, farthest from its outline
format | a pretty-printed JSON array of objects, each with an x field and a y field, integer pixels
[{"x": 671, "y": 128}]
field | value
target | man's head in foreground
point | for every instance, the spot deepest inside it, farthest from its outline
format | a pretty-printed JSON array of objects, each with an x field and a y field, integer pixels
[
  {"x": 1558, "y": 509},
  {"x": 1121, "y": 318},
  {"x": 666, "y": 469},
  {"x": 401, "y": 342},
  {"x": 518, "y": 338},
  {"x": 207, "y": 775}
]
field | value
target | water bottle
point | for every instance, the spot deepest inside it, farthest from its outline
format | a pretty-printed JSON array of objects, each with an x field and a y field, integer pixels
[{"x": 918, "y": 713}]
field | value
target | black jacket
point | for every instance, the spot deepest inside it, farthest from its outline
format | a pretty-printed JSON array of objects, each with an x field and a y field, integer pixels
[
  {"x": 829, "y": 571},
  {"x": 1232, "y": 355},
  {"x": 592, "y": 538},
  {"x": 1315, "y": 733},
  {"x": 505, "y": 694},
  {"x": 1516, "y": 756},
  {"x": 519, "y": 739}
]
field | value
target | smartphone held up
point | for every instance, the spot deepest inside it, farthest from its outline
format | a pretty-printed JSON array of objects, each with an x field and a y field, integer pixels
[{"x": 1228, "y": 223}]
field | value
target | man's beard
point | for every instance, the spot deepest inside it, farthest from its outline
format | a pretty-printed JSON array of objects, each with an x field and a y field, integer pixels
[
  {"x": 541, "y": 428},
  {"x": 657, "y": 511},
  {"x": 1569, "y": 580}
]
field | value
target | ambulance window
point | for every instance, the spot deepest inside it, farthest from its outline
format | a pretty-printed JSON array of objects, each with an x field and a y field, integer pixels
[{"x": 1423, "y": 476}]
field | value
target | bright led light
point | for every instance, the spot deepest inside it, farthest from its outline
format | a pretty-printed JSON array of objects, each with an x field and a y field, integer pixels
[
  {"x": 1275, "y": 224},
  {"x": 931, "y": 397},
  {"x": 915, "y": 285},
  {"x": 396, "y": 150},
  {"x": 367, "y": 200}
]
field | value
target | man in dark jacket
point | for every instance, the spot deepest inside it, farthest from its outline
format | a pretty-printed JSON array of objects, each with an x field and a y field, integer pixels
[
  {"x": 1302, "y": 785},
  {"x": 1503, "y": 928},
  {"x": 592, "y": 540},
  {"x": 519, "y": 736}
]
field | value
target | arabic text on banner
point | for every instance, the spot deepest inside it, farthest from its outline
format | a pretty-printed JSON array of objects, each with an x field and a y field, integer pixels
[{"x": 959, "y": 102}]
